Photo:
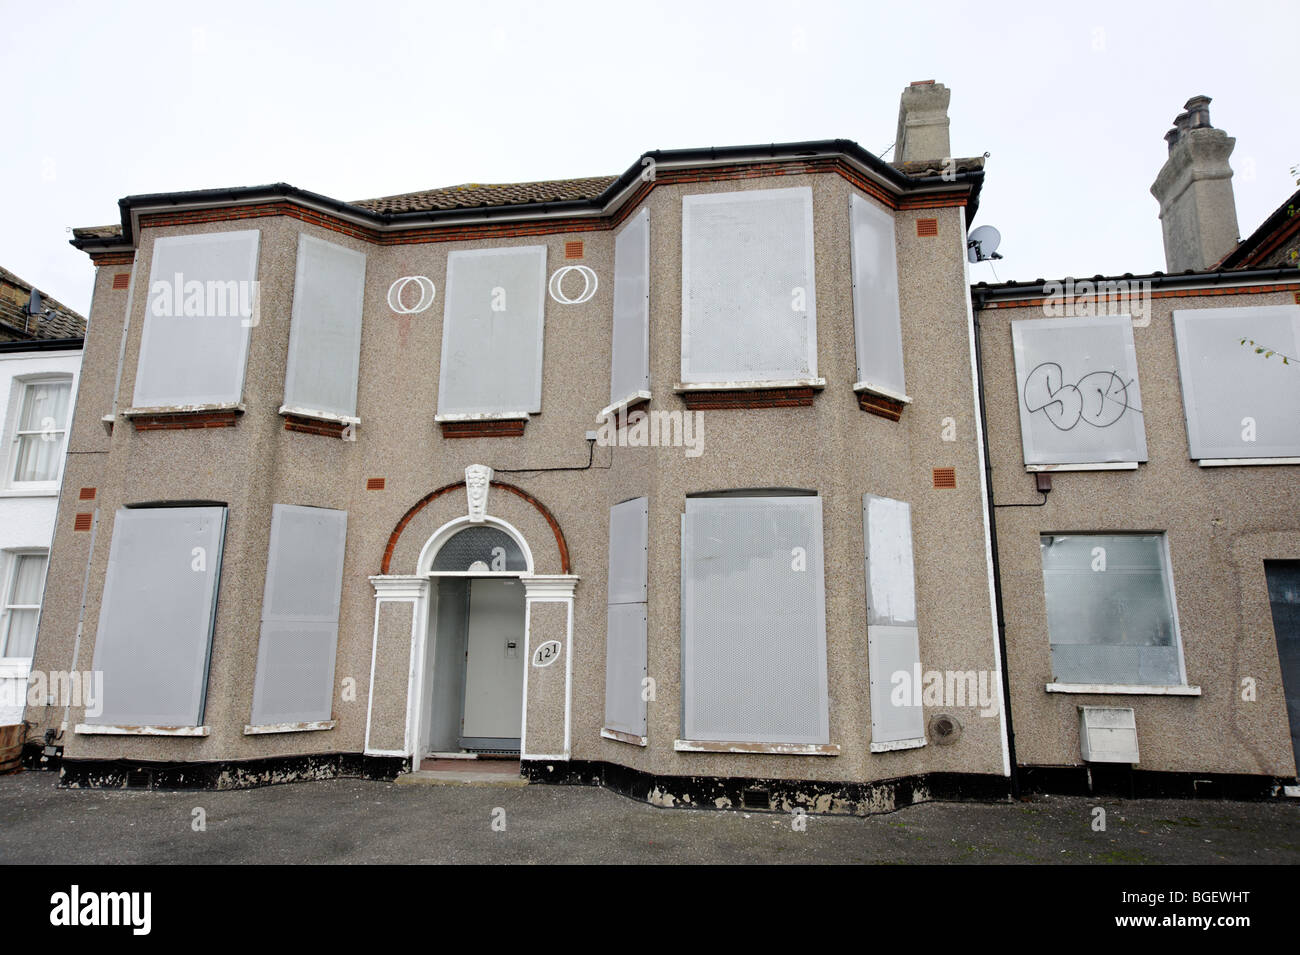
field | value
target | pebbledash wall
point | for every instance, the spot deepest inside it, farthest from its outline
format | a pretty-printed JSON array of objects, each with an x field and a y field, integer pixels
[
  {"x": 1221, "y": 724},
  {"x": 401, "y": 479}
]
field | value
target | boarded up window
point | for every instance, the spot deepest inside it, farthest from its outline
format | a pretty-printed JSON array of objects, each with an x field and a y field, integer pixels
[
  {"x": 492, "y": 331},
  {"x": 202, "y": 295},
  {"x": 893, "y": 645},
  {"x": 749, "y": 302},
  {"x": 754, "y": 620},
  {"x": 300, "y": 616},
  {"x": 155, "y": 623},
  {"x": 877, "y": 324},
  {"x": 1241, "y": 398},
  {"x": 325, "y": 335},
  {"x": 630, "y": 367},
  {"x": 1077, "y": 382},
  {"x": 625, "y": 647},
  {"x": 1110, "y": 609}
]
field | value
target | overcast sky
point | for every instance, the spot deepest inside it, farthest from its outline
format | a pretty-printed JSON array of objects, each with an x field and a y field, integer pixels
[{"x": 357, "y": 100}]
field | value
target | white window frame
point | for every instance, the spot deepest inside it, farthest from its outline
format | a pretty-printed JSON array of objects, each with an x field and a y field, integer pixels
[
  {"x": 17, "y": 398},
  {"x": 739, "y": 378},
  {"x": 1182, "y": 688},
  {"x": 12, "y": 559}
]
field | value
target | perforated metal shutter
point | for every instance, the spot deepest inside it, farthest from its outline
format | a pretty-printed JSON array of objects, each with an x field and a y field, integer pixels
[
  {"x": 749, "y": 302},
  {"x": 630, "y": 366},
  {"x": 492, "y": 331},
  {"x": 893, "y": 643},
  {"x": 325, "y": 334},
  {"x": 1078, "y": 386},
  {"x": 300, "y": 615},
  {"x": 753, "y": 624},
  {"x": 195, "y": 340},
  {"x": 877, "y": 322},
  {"x": 1229, "y": 376},
  {"x": 625, "y": 646},
  {"x": 155, "y": 623}
]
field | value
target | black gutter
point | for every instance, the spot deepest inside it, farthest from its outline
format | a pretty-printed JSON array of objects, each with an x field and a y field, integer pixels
[
  {"x": 999, "y": 609},
  {"x": 281, "y": 190},
  {"x": 1038, "y": 287},
  {"x": 43, "y": 344}
]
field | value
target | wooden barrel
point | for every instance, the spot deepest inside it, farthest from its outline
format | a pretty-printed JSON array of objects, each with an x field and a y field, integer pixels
[{"x": 11, "y": 748}]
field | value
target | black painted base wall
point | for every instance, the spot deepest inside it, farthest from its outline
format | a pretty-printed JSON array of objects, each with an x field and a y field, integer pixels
[{"x": 232, "y": 774}]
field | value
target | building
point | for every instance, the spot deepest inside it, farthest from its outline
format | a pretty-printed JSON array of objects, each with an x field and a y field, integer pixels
[
  {"x": 676, "y": 481},
  {"x": 40, "y": 357},
  {"x": 1144, "y": 433}
]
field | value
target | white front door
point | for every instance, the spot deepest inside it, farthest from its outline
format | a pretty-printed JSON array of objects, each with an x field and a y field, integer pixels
[{"x": 494, "y": 665}]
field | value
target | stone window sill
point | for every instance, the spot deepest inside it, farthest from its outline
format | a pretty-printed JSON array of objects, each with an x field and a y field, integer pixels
[
  {"x": 721, "y": 395},
  {"x": 620, "y": 737},
  {"x": 1124, "y": 689},
  {"x": 96, "y": 729},
  {"x": 776, "y": 749},
  {"x": 324, "y": 423},
  {"x": 505, "y": 424},
  {"x": 880, "y": 401},
  {"x": 1243, "y": 462},
  {"x": 898, "y": 744},
  {"x": 1099, "y": 466},
  {"x": 310, "y": 727},
  {"x": 184, "y": 417},
  {"x": 623, "y": 407}
]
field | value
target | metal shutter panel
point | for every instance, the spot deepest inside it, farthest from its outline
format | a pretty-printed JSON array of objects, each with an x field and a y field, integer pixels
[
  {"x": 627, "y": 551},
  {"x": 1076, "y": 380},
  {"x": 753, "y": 628},
  {"x": 630, "y": 364},
  {"x": 625, "y": 668},
  {"x": 300, "y": 615},
  {"x": 325, "y": 334},
  {"x": 893, "y": 643},
  {"x": 877, "y": 322},
  {"x": 1225, "y": 381},
  {"x": 744, "y": 254},
  {"x": 155, "y": 624},
  {"x": 492, "y": 360},
  {"x": 190, "y": 360}
]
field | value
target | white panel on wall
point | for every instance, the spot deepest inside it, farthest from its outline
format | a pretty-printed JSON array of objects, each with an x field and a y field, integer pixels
[
  {"x": 877, "y": 322},
  {"x": 1240, "y": 400},
  {"x": 300, "y": 615},
  {"x": 749, "y": 302},
  {"x": 195, "y": 340},
  {"x": 754, "y": 620},
  {"x": 492, "y": 331},
  {"x": 155, "y": 623},
  {"x": 630, "y": 365},
  {"x": 325, "y": 333},
  {"x": 625, "y": 647},
  {"x": 893, "y": 643},
  {"x": 1077, "y": 383}
]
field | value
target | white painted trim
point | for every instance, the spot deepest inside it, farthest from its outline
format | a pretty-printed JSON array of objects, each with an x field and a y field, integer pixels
[
  {"x": 397, "y": 586},
  {"x": 555, "y": 588},
  {"x": 900, "y": 744},
  {"x": 252, "y": 730},
  {"x": 182, "y": 409},
  {"x": 418, "y": 600},
  {"x": 1124, "y": 689},
  {"x": 424, "y": 564},
  {"x": 622, "y": 403},
  {"x": 777, "y": 749},
  {"x": 868, "y": 387},
  {"x": 981, "y": 451},
  {"x": 483, "y": 416},
  {"x": 1098, "y": 466},
  {"x": 1243, "y": 462},
  {"x": 95, "y": 729},
  {"x": 620, "y": 737},
  {"x": 318, "y": 415},
  {"x": 550, "y": 586},
  {"x": 683, "y": 387}
]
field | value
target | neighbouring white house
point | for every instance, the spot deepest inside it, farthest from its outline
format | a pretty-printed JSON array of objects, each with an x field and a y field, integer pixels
[{"x": 40, "y": 360}]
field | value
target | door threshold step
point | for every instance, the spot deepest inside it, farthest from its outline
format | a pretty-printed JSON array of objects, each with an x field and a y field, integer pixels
[{"x": 443, "y": 777}]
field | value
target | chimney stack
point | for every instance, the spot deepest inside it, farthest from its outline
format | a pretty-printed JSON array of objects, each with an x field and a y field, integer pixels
[
  {"x": 1194, "y": 188},
  {"x": 923, "y": 123}
]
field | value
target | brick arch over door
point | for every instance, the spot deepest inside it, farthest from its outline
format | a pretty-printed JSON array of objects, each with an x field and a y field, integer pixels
[{"x": 421, "y": 510}]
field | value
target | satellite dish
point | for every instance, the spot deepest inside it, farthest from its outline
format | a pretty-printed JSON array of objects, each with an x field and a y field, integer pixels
[
  {"x": 34, "y": 304},
  {"x": 982, "y": 244}
]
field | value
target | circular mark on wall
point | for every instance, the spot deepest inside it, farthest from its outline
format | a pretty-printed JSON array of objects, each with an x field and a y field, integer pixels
[
  {"x": 589, "y": 284},
  {"x": 945, "y": 728},
  {"x": 427, "y": 294},
  {"x": 546, "y": 654}
]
